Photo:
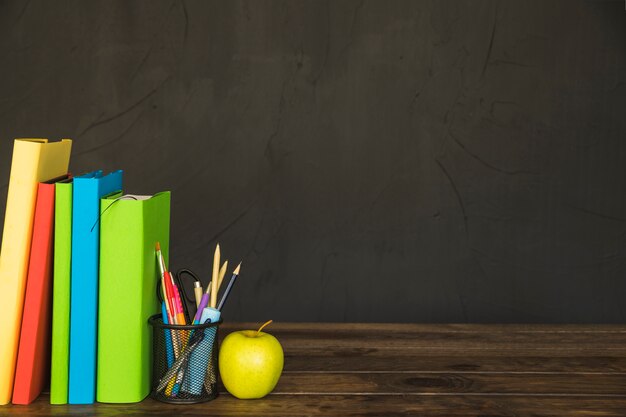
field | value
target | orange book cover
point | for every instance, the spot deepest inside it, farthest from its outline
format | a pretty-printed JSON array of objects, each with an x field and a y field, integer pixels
[{"x": 33, "y": 357}]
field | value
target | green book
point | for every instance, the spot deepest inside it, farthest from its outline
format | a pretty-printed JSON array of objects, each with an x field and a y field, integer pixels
[
  {"x": 59, "y": 369},
  {"x": 130, "y": 226}
]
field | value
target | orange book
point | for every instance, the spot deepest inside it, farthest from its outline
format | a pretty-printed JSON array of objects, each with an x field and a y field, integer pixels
[{"x": 33, "y": 357}]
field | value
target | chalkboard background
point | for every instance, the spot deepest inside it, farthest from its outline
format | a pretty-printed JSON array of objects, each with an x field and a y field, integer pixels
[{"x": 412, "y": 161}]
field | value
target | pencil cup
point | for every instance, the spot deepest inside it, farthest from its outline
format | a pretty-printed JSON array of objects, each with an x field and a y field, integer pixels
[{"x": 176, "y": 376}]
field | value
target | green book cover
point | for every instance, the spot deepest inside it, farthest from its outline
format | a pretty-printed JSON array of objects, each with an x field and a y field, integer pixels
[
  {"x": 61, "y": 292},
  {"x": 130, "y": 226}
]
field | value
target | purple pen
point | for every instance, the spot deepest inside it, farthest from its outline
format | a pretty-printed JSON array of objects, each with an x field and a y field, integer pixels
[{"x": 203, "y": 303}]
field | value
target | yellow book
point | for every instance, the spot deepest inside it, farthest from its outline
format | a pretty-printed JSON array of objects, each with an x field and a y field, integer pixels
[{"x": 34, "y": 161}]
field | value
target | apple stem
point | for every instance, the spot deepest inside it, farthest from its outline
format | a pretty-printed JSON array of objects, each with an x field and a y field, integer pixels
[{"x": 261, "y": 328}]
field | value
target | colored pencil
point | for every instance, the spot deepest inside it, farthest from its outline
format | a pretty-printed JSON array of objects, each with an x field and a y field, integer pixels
[{"x": 229, "y": 287}]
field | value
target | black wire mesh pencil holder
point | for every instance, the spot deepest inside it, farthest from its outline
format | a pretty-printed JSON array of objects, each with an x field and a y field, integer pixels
[{"x": 184, "y": 364}]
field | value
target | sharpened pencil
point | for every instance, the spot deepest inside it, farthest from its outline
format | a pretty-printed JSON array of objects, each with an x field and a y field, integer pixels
[
  {"x": 229, "y": 287},
  {"x": 215, "y": 276}
]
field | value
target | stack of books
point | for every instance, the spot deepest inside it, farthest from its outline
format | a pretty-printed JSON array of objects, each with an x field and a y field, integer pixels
[{"x": 77, "y": 280}]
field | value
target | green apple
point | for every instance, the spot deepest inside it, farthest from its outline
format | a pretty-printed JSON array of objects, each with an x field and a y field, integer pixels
[{"x": 250, "y": 363}]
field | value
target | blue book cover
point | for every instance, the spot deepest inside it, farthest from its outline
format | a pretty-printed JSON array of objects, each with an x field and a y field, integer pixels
[{"x": 88, "y": 190}]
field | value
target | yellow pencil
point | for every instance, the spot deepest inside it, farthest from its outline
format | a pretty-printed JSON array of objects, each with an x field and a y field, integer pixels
[{"x": 215, "y": 277}]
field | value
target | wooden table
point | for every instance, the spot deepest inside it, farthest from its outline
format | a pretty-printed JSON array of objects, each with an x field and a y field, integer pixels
[{"x": 426, "y": 370}]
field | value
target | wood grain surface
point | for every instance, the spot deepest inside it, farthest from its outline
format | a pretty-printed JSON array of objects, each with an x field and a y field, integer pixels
[{"x": 426, "y": 370}]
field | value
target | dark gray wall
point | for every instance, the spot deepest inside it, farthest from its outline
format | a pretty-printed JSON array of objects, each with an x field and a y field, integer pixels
[{"x": 421, "y": 161}]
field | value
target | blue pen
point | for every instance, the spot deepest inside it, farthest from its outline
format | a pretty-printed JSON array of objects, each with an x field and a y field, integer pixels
[{"x": 169, "y": 348}]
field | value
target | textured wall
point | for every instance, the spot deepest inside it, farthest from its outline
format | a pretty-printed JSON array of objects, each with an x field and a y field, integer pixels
[{"x": 369, "y": 161}]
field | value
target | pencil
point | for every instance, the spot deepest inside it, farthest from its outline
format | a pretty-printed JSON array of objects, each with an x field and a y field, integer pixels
[
  {"x": 221, "y": 277},
  {"x": 215, "y": 276},
  {"x": 230, "y": 287},
  {"x": 204, "y": 301}
]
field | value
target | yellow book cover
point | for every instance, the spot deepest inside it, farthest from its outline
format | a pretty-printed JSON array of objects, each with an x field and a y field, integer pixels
[{"x": 34, "y": 161}]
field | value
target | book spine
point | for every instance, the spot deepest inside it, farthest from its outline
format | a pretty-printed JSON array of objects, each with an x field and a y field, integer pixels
[
  {"x": 83, "y": 292},
  {"x": 84, "y": 284},
  {"x": 59, "y": 372},
  {"x": 122, "y": 274}
]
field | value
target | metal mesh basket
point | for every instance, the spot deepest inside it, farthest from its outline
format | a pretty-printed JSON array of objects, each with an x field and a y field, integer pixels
[{"x": 184, "y": 368}]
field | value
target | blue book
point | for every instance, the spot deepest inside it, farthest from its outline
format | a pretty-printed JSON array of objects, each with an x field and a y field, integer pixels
[{"x": 88, "y": 190}]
